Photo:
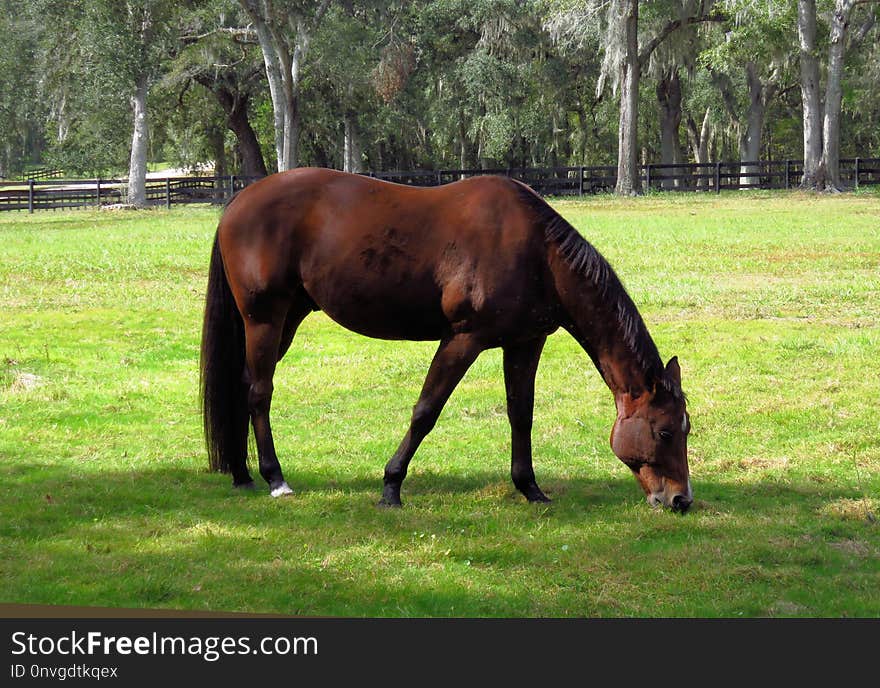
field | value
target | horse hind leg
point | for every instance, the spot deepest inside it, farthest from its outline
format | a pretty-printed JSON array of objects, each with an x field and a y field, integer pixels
[
  {"x": 267, "y": 340},
  {"x": 302, "y": 305}
]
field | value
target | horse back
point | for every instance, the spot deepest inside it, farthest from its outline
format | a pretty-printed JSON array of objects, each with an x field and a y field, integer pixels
[{"x": 388, "y": 260}]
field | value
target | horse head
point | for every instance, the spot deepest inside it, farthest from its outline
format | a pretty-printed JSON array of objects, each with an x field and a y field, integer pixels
[{"x": 650, "y": 437}]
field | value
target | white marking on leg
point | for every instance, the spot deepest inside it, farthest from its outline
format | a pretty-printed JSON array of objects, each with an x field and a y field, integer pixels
[{"x": 281, "y": 490}]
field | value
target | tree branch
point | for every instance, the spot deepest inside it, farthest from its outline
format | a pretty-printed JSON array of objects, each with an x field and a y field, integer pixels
[
  {"x": 319, "y": 14},
  {"x": 674, "y": 25},
  {"x": 858, "y": 36},
  {"x": 245, "y": 34}
]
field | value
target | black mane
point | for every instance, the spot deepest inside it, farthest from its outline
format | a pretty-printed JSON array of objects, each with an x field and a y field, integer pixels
[{"x": 585, "y": 260}]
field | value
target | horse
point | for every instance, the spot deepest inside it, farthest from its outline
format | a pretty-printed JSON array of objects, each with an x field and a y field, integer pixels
[{"x": 479, "y": 263}]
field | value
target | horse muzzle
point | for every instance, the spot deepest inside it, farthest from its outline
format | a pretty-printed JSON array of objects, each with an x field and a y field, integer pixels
[{"x": 674, "y": 499}]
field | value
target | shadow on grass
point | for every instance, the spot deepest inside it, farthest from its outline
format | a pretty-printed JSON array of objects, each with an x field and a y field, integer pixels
[
  {"x": 35, "y": 493},
  {"x": 462, "y": 545}
]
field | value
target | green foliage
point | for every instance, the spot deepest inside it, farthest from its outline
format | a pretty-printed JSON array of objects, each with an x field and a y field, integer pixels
[
  {"x": 437, "y": 83},
  {"x": 87, "y": 150},
  {"x": 861, "y": 106},
  {"x": 20, "y": 108}
]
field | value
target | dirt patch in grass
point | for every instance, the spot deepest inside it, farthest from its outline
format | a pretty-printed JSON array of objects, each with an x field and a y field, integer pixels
[
  {"x": 862, "y": 509},
  {"x": 855, "y": 548},
  {"x": 759, "y": 463}
]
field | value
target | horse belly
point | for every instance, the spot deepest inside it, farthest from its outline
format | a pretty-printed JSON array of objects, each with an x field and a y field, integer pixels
[{"x": 409, "y": 310}]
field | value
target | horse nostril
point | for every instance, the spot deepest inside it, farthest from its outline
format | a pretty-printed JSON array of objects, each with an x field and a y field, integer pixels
[{"x": 681, "y": 503}]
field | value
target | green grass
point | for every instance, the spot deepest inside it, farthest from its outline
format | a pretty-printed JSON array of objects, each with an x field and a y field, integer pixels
[{"x": 770, "y": 300}]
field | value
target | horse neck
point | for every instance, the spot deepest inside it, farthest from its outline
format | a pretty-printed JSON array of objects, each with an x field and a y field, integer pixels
[{"x": 601, "y": 317}]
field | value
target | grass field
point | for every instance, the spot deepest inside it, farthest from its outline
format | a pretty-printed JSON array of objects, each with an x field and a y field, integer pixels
[{"x": 769, "y": 300}]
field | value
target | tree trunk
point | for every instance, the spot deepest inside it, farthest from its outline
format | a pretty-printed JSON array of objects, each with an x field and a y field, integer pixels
[
  {"x": 669, "y": 99},
  {"x": 292, "y": 120},
  {"x": 235, "y": 106},
  {"x": 216, "y": 140},
  {"x": 812, "y": 107},
  {"x": 252, "y": 163},
  {"x": 292, "y": 131},
  {"x": 628, "y": 179},
  {"x": 137, "y": 168},
  {"x": 275, "y": 79},
  {"x": 462, "y": 144},
  {"x": 699, "y": 141},
  {"x": 351, "y": 145},
  {"x": 284, "y": 58},
  {"x": 750, "y": 138},
  {"x": 749, "y": 132},
  {"x": 830, "y": 165}
]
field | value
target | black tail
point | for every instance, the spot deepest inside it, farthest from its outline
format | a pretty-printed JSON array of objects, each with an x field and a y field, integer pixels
[{"x": 223, "y": 389}]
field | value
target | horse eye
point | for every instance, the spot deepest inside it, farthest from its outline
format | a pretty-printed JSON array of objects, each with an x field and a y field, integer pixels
[{"x": 665, "y": 435}]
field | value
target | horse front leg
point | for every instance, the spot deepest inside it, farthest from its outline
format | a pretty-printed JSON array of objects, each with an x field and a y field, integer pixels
[
  {"x": 520, "y": 367},
  {"x": 452, "y": 360}
]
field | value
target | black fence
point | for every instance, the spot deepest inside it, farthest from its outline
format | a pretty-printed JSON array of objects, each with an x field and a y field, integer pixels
[
  {"x": 715, "y": 176},
  {"x": 58, "y": 194},
  {"x": 53, "y": 194},
  {"x": 45, "y": 173}
]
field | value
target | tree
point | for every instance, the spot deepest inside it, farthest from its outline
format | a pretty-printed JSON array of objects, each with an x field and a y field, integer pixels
[
  {"x": 750, "y": 63},
  {"x": 284, "y": 30},
  {"x": 223, "y": 58},
  {"x": 626, "y": 57},
  {"x": 859, "y": 133},
  {"x": 810, "y": 98},
  {"x": 121, "y": 47},
  {"x": 404, "y": 84},
  {"x": 578, "y": 32},
  {"x": 629, "y": 71},
  {"x": 21, "y": 109},
  {"x": 113, "y": 51},
  {"x": 823, "y": 172},
  {"x": 762, "y": 83},
  {"x": 343, "y": 93},
  {"x": 133, "y": 36}
]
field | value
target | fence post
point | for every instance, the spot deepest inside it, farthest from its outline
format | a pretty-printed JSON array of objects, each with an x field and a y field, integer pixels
[
  {"x": 581, "y": 180},
  {"x": 857, "y": 173},
  {"x": 718, "y": 177},
  {"x": 30, "y": 195},
  {"x": 167, "y": 192},
  {"x": 231, "y": 185},
  {"x": 98, "y": 191},
  {"x": 648, "y": 177},
  {"x": 438, "y": 178},
  {"x": 788, "y": 174}
]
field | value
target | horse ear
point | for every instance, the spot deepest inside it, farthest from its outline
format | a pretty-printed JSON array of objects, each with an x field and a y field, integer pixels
[{"x": 673, "y": 370}]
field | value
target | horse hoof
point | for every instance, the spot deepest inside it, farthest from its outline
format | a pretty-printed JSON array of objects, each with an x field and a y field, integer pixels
[
  {"x": 387, "y": 504},
  {"x": 244, "y": 486},
  {"x": 537, "y": 497},
  {"x": 282, "y": 490}
]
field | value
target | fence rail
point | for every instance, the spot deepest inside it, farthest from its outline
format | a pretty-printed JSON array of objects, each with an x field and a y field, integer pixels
[
  {"x": 548, "y": 181},
  {"x": 44, "y": 173},
  {"x": 58, "y": 194}
]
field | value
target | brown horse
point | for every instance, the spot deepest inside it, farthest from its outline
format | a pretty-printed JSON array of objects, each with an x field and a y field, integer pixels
[{"x": 475, "y": 264}]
